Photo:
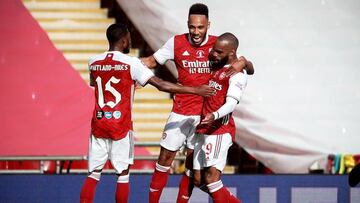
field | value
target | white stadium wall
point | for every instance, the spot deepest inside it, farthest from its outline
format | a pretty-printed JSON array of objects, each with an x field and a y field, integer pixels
[{"x": 303, "y": 101}]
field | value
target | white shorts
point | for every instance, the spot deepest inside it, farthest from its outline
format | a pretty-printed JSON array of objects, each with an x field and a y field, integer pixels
[
  {"x": 179, "y": 130},
  {"x": 211, "y": 150},
  {"x": 120, "y": 152}
]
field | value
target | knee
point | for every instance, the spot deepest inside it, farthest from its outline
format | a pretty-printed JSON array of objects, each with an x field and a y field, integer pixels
[
  {"x": 211, "y": 176},
  {"x": 166, "y": 157}
]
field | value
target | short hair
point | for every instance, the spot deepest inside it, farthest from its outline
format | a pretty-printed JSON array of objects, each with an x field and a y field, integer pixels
[
  {"x": 115, "y": 32},
  {"x": 230, "y": 38},
  {"x": 200, "y": 9}
]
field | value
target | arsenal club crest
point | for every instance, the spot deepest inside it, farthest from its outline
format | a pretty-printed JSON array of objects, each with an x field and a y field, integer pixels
[{"x": 222, "y": 75}]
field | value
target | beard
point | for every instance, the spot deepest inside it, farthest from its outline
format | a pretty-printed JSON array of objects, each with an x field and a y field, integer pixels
[{"x": 215, "y": 64}]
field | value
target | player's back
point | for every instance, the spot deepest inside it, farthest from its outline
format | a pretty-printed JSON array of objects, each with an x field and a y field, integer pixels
[{"x": 111, "y": 76}]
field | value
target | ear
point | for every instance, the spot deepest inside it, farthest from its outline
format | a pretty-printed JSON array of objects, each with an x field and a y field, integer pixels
[
  {"x": 208, "y": 25},
  {"x": 233, "y": 53},
  {"x": 124, "y": 42}
]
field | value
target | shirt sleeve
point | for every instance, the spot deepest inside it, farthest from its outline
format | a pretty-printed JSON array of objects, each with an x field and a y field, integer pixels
[
  {"x": 237, "y": 84},
  {"x": 225, "y": 109},
  {"x": 139, "y": 72},
  {"x": 166, "y": 52}
]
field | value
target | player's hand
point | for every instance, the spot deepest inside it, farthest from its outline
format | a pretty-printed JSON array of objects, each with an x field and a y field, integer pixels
[
  {"x": 209, "y": 118},
  {"x": 205, "y": 91},
  {"x": 237, "y": 66},
  {"x": 137, "y": 86}
]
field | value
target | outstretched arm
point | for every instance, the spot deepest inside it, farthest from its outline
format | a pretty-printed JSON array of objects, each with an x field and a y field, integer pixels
[
  {"x": 166, "y": 52},
  {"x": 165, "y": 86}
]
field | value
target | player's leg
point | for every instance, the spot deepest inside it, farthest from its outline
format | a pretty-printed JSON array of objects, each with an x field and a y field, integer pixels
[
  {"x": 217, "y": 190},
  {"x": 215, "y": 186},
  {"x": 171, "y": 141},
  {"x": 198, "y": 163},
  {"x": 161, "y": 174},
  {"x": 215, "y": 149},
  {"x": 186, "y": 185},
  {"x": 122, "y": 187},
  {"x": 121, "y": 157},
  {"x": 98, "y": 155}
]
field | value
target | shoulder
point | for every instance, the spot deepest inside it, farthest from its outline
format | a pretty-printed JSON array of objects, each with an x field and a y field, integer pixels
[
  {"x": 97, "y": 57},
  {"x": 239, "y": 77},
  {"x": 212, "y": 38},
  {"x": 181, "y": 37},
  {"x": 118, "y": 56}
]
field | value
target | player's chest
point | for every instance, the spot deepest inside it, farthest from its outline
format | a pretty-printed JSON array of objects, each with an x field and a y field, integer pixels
[
  {"x": 219, "y": 81},
  {"x": 191, "y": 53},
  {"x": 193, "y": 60}
]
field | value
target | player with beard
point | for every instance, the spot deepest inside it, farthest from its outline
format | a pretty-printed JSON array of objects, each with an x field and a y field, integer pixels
[
  {"x": 216, "y": 132},
  {"x": 113, "y": 74},
  {"x": 190, "y": 52}
]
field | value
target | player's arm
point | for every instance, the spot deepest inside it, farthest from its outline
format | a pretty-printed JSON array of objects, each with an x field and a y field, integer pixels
[
  {"x": 236, "y": 88},
  {"x": 238, "y": 66},
  {"x": 166, "y": 86},
  {"x": 92, "y": 83},
  {"x": 144, "y": 75},
  {"x": 165, "y": 53},
  {"x": 91, "y": 77},
  {"x": 225, "y": 109},
  {"x": 149, "y": 61}
]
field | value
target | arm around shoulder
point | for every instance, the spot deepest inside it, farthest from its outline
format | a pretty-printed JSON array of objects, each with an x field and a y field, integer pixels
[
  {"x": 166, "y": 86},
  {"x": 149, "y": 61}
]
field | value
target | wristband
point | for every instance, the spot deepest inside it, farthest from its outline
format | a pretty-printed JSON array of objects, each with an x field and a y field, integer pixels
[{"x": 216, "y": 115}]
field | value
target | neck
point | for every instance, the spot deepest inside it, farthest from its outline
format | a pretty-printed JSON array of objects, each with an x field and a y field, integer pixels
[
  {"x": 116, "y": 48},
  {"x": 231, "y": 59}
]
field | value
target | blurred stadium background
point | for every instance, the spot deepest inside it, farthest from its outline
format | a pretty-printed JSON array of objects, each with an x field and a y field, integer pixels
[{"x": 299, "y": 114}]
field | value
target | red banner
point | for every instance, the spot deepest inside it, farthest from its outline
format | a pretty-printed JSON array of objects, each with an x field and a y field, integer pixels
[{"x": 45, "y": 105}]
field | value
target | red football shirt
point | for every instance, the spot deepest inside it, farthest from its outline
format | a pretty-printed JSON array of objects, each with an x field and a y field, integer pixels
[
  {"x": 193, "y": 69},
  {"x": 225, "y": 87},
  {"x": 114, "y": 75}
]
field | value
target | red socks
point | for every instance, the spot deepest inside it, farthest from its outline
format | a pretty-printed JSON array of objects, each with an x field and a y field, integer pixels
[
  {"x": 185, "y": 188},
  {"x": 88, "y": 190},
  {"x": 122, "y": 189},
  {"x": 89, "y": 187},
  {"x": 122, "y": 192},
  {"x": 232, "y": 198},
  {"x": 158, "y": 182},
  {"x": 220, "y": 194}
]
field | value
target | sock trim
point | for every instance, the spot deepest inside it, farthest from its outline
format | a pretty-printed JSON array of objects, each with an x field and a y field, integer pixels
[
  {"x": 123, "y": 179},
  {"x": 95, "y": 175},
  {"x": 162, "y": 168},
  {"x": 215, "y": 186}
]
